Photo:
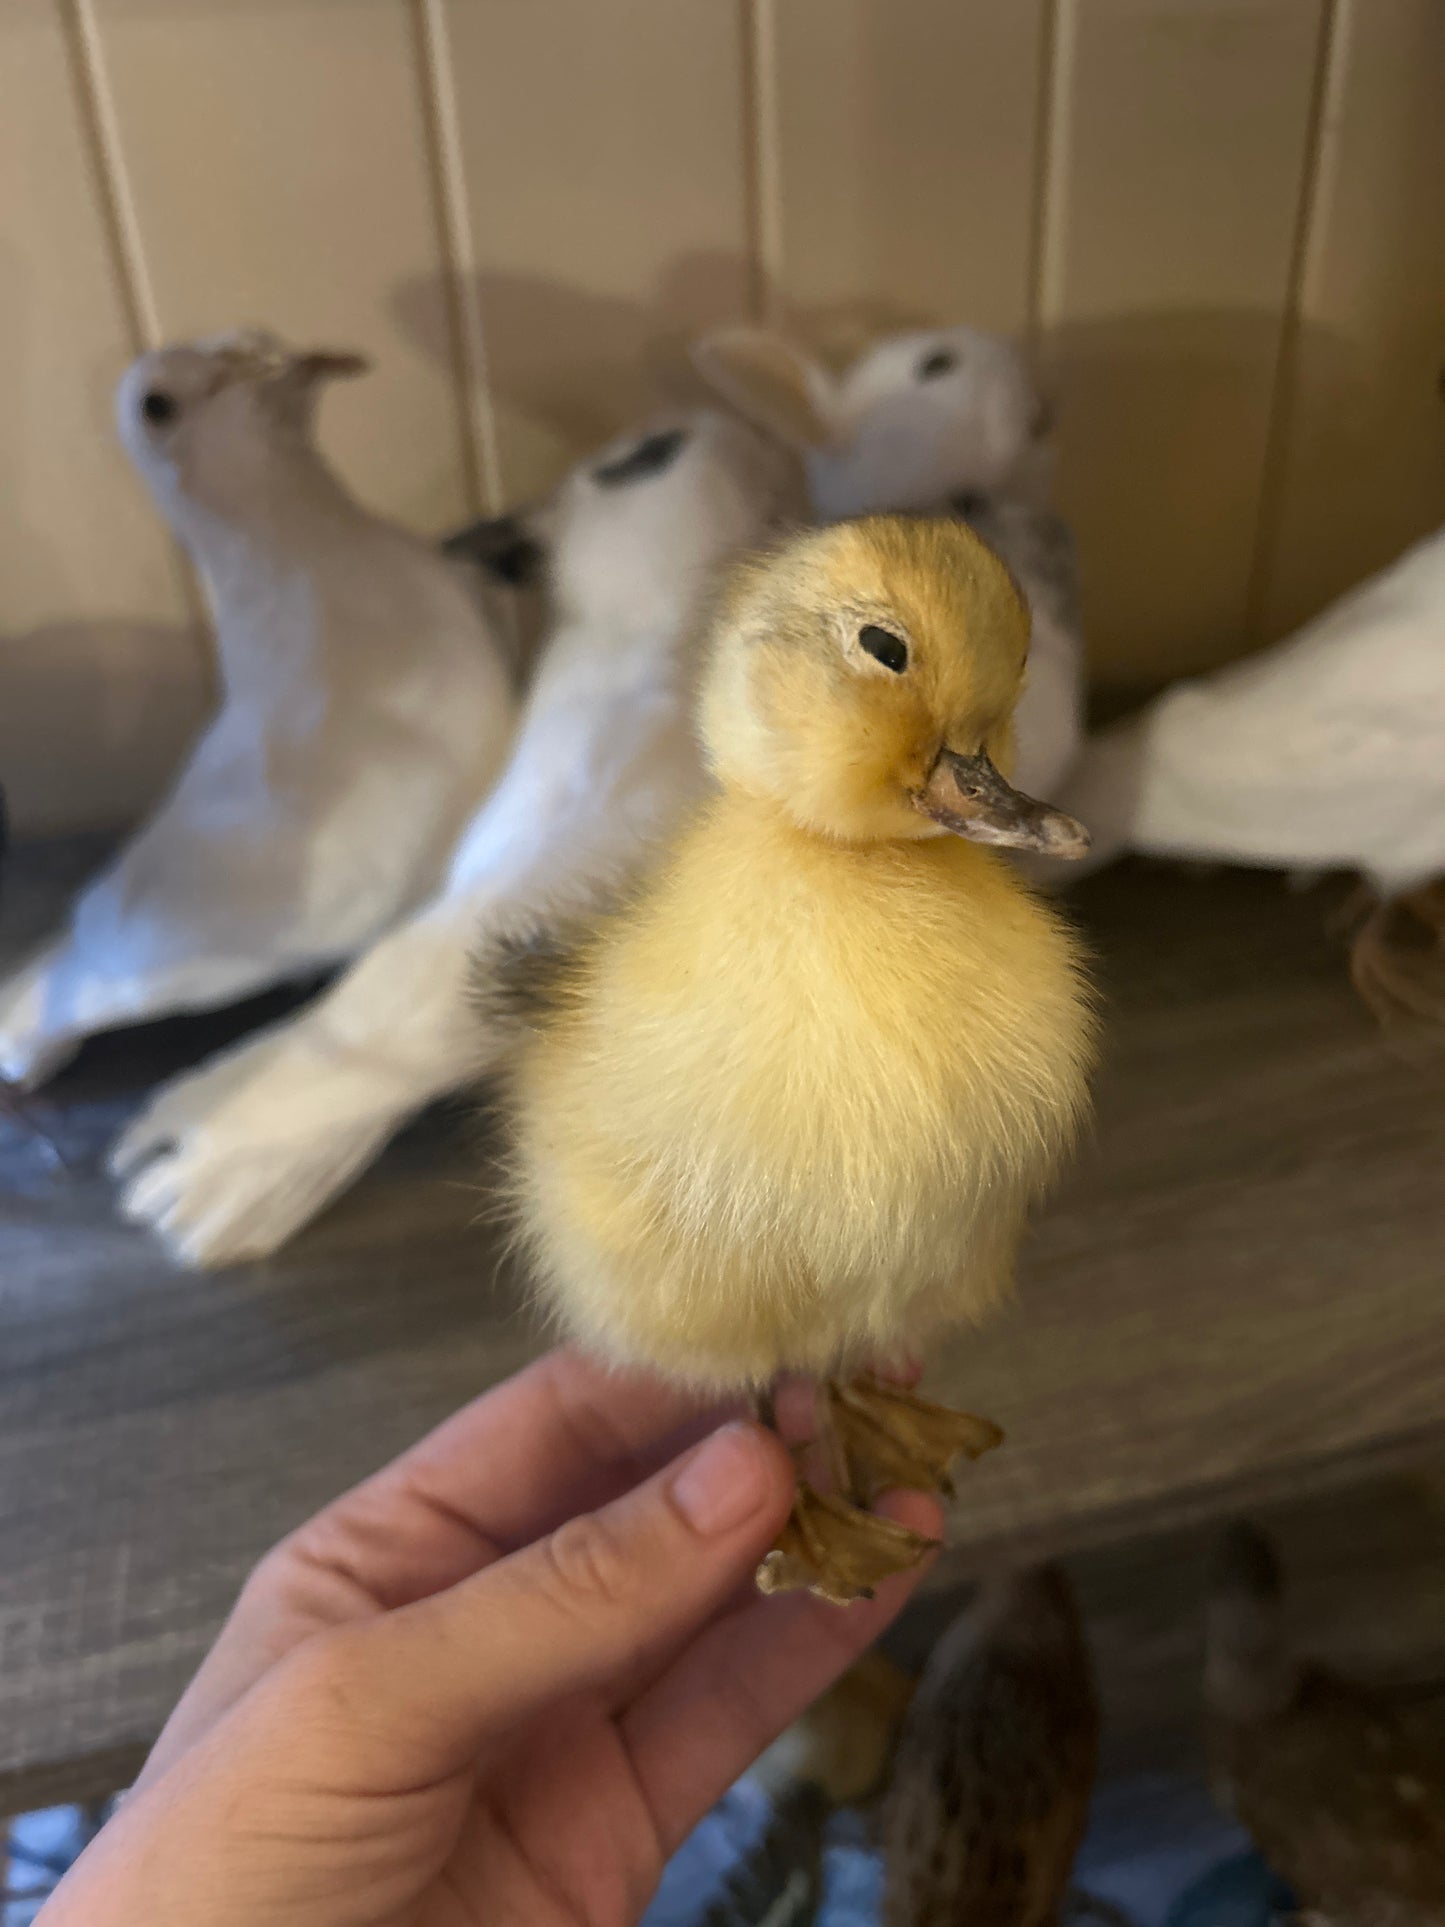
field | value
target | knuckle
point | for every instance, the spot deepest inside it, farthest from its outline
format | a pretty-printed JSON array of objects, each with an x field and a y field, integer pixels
[
  {"x": 322, "y": 1697},
  {"x": 331, "y": 1672},
  {"x": 588, "y": 1565},
  {"x": 272, "y": 1570}
]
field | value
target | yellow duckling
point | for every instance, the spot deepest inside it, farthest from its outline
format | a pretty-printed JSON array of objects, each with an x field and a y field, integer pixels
[{"x": 785, "y": 1109}]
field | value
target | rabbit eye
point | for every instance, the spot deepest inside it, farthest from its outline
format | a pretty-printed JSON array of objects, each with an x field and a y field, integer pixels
[
  {"x": 942, "y": 361},
  {"x": 649, "y": 457},
  {"x": 883, "y": 646},
  {"x": 157, "y": 406},
  {"x": 502, "y": 546}
]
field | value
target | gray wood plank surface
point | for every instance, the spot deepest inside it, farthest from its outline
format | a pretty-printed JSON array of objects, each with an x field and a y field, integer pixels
[{"x": 1235, "y": 1299}]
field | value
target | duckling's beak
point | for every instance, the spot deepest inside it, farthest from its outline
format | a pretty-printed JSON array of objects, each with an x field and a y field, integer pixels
[{"x": 967, "y": 796}]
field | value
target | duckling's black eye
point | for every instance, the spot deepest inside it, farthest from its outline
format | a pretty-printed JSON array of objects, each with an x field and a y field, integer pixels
[
  {"x": 157, "y": 406},
  {"x": 884, "y": 647},
  {"x": 942, "y": 361}
]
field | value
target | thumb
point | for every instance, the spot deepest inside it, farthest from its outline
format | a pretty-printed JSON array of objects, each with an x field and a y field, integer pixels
[{"x": 442, "y": 1678}]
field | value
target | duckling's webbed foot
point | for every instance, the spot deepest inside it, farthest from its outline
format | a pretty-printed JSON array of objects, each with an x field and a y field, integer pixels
[
  {"x": 830, "y": 1546},
  {"x": 837, "y": 1550},
  {"x": 890, "y": 1437}
]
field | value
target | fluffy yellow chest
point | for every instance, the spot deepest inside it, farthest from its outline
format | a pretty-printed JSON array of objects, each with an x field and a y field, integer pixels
[{"x": 797, "y": 1098}]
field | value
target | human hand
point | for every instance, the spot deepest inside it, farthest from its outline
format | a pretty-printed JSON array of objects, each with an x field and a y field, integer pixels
[{"x": 500, "y": 1681}]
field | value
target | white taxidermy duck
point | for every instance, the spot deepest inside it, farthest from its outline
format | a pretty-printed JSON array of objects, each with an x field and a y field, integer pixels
[
  {"x": 785, "y": 1108},
  {"x": 935, "y": 421},
  {"x": 1324, "y": 752},
  {"x": 229, "y": 1162},
  {"x": 365, "y": 708}
]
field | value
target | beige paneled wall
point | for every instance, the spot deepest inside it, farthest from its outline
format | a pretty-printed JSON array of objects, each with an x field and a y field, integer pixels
[
  {"x": 907, "y": 143},
  {"x": 1221, "y": 221}
]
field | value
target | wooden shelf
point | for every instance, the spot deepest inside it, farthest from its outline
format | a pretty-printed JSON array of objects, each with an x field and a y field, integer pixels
[{"x": 1235, "y": 1301}]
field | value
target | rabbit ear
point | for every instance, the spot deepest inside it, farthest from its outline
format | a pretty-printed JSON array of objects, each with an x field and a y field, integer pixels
[
  {"x": 328, "y": 364},
  {"x": 770, "y": 383}
]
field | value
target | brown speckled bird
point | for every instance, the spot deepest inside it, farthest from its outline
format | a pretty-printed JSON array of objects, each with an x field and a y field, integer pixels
[
  {"x": 1341, "y": 1785},
  {"x": 995, "y": 1766}
]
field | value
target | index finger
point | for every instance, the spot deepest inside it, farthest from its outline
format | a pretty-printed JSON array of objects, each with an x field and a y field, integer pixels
[{"x": 565, "y": 1435}]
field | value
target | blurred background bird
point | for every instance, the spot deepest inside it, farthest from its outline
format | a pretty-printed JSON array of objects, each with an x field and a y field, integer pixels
[
  {"x": 785, "y": 1109},
  {"x": 1340, "y": 1784},
  {"x": 995, "y": 1764},
  {"x": 366, "y": 706}
]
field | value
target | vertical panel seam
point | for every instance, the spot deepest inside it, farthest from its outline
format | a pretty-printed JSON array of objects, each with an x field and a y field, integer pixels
[
  {"x": 437, "y": 85},
  {"x": 1317, "y": 171},
  {"x": 120, "y": 225},
  {"x": 1044, "y": 130},
  {"x": 109, "y": 177},
  {"x": 1053, "y": 133},
  {"x": 762, "y": 183}
]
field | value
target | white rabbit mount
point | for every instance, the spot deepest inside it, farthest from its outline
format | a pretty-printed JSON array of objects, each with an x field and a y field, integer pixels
[
  {"x": 1325, "y": 752},
  {"x": 228, "y": 1162},
  {"x": 365, "y": 708},
  {"x": 941, "y": 421}
]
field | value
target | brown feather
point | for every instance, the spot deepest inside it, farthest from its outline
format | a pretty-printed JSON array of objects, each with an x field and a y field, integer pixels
[{"x": 996, "y": 1765}]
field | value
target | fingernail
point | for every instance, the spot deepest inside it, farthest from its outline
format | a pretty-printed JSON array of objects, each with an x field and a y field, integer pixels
[{"x": 724, "y": 1481}]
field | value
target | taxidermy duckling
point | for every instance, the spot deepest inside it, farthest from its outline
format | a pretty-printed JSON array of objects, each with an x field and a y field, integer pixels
[
  {"x": 1341, "y": 1785},
  {"x": 996, "y": 1763},
  {"x": 785, "y": 1109}
]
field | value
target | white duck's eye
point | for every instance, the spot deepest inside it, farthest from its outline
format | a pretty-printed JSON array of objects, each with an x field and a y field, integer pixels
[
  {"x": 883, "y": 646},
  {"x": 157, "y": 406},
  {"x": 942, "y": 361}
]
